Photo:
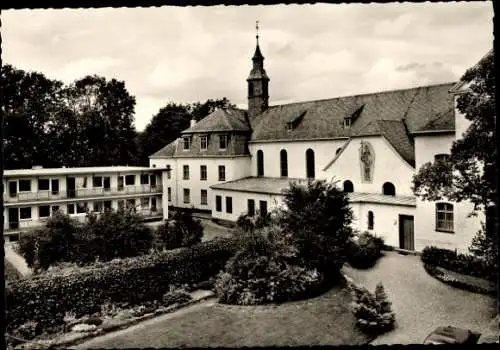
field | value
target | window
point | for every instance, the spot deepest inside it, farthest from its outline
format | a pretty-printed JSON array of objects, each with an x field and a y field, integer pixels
[
  {"x": 121, "y": 204},
  {"x": 120, "y": 182},
  {"x": 144, "y": 179},
  {"x": 55, "y": 208},
  {"x": 55, "y": 186},
  {"x": 84, "y": 184},
  {"x": 389, "y": 189},
  {"x": 98, "y": 207},
  {"x": 130, "y": 180},
  {"x": 25, "y": 213},
  {"x": 283, "y": 163},
  {"x": 251, "y": 207},
  {"x": 44, "y": 211},
  {"x": 260, "y": 163},
  {"x": 347, "y": 123},
  {"x": 348, "y": 186},
  {"x": 97, "y": 181},
  {"x": 169, "y": 170},
  {"x": 441, "y": 158},
  {"x": 187, "y": 143},
  {"x": 24, "y": 185},
  {"x": 218, "y": 203},
  {"x": 131, "y": 203},
  {"x": 185, "y": 172},
  {"x": 169, "y": 194},
  {"x": 310, "y": 173},
  {"x": 370, "y": 220},
  {"x": 71, "y": 208},
  {"x": 263, "y": 208},
  {"x": 144, "y": 203},
  {"x": 338, "y": 150},
  {"x": 289, "y": 126},
  {"x": 186, "y": 196},
  {"x": 204, "y": 197},
  {"x": 444, "y": 217},
  {"x": 107, "y": 205},
  {"x": 203, "y": 142},
  {"x": 12, "y": 188},
  {"x": 203, "y": 172},
  {"x": 153, "y": 203},
  {"x": 222, "y": 141},
  {"x": 229, "y": 205},
  {"x": 43, "y": 184},
  {"x": 222, "y": 173},
  {"x": 81, "y": 208},
  {"x": 250, "y": 89}
]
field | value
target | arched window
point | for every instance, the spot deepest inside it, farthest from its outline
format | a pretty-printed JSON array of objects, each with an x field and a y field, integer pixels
[
  {"x": 310, "y": 164},
  {"x": 370, "y": 220},
  {"x": 338, "y": 150},
  {"x": 260, "y": 163},
  {"x": 348, "y": 186},
  {"x": 389, "y": 189},
  {"x": 284, "y": 163}
]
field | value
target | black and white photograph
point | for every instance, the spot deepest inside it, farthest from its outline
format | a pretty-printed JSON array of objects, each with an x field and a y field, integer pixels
[{"x": 250, "y": 175}]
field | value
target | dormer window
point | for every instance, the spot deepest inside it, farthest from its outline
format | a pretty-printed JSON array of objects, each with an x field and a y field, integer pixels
[
  {"x": 289, "y": 126},
  {"x": 347, "y": 123},
  {"x": 187, "y": 143},
  {"x": 223, "y": 140},
  {"x": 203, "y": 142}
]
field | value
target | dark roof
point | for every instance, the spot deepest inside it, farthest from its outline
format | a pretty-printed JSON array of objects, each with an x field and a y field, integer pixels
[
  {"x": 395, "y": 132},
  {"x": 324, "y": 118},
  {"x": 440, "y": 122},
  {"x": 225, "y": 120},
  {"x": 167, "y": 151}
]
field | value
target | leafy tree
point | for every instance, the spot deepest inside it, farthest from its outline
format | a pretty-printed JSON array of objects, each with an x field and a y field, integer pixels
[
  {"x": 187, "y": 227},
  {"x": 470, "y": 174},
  {"x": 200, "y": 110},
  {"x": 319, "y": 216}
]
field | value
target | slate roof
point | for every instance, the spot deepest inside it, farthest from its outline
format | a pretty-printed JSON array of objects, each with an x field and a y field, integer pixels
[
  {"x": 167, "y": 151},
  {"x": 359, "y": 197},
  {"x": 395, "y": 133},
  {"x": 222, "y": 120},
  {"x": 324, "y": 118}
]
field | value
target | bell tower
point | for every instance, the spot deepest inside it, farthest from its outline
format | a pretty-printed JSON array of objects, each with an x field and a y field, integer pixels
[{"x": 258, "y": 83}]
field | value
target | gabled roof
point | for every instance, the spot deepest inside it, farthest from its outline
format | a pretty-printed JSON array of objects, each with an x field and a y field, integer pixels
[
  {"x": 324, "y": 118},
  {"x": 222, "y": 120},
  {"x": 394, "y": 131},
  {"x": 167, "y": 151}
]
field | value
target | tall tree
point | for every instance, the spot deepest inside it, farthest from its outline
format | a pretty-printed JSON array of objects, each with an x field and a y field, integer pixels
[
  {"x": 200, "y": 110},
  {"x": 30, "y": 101}
]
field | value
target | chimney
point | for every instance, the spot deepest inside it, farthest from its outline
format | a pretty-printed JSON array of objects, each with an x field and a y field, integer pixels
[{"x": 193, "y": 122}]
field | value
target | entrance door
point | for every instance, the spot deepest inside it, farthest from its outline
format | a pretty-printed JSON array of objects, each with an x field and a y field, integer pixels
[
  {"x": 70, "y": 187},
  {"x": 13, "y": 188},
  {"x": 107, "y": 183},
  {"x": 13, "y": 218},
  {"x": 152, "y": 180},
  {"x": 406, "y": 234}
]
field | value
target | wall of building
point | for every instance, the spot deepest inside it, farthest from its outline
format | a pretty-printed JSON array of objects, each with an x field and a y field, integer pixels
[
  {"x": 388, "y": 167},
  {"x": 240, "y": 200},
  {"x": 324, "y": 151}
]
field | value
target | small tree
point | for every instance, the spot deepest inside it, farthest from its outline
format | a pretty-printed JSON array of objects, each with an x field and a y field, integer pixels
[
  {"x": 187, "y": 227},
  {"x": 372, "y": 311}
]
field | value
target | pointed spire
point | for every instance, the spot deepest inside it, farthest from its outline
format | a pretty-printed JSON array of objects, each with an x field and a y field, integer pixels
[{"x": 257, "y": 55}]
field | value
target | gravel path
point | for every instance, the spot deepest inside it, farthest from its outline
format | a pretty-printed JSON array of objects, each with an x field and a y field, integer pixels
[{"x": 422, "y": 303}]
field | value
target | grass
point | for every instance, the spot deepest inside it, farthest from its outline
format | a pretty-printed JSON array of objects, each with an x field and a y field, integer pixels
[
  {"x": 11, "y": 273},
  {"x": 325, "y": 320}
]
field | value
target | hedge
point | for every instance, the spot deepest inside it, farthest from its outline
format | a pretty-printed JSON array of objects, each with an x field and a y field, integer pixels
[
  {"x": 46, "y": 299},
  {"x": 461, "y": 263}
]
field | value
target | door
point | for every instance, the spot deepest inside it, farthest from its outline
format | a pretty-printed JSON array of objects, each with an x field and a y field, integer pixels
[
  {"x": 70, "y": 187},
  {"x": 107, "y": 183},
  {"x": 55, "y": 186},
  {"x": 13, "y": 218},
  {"x": 406, "y": 233},
  {"x": 120, "y": 183},
  {"x": 13, "y": 188},
  {"x": 152, "y": 180},
  {"x": 263, "y": 208}
]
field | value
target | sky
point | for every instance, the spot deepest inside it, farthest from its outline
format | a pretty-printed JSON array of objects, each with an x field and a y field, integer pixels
[{"x": 188, "y": 54}]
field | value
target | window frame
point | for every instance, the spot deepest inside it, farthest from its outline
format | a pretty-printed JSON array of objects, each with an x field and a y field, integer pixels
[
  {"x": 284, "y": 163},
  {"x": 44, "y": 189},
  {"x": 25, "y": 182},
  {"x": 446, "y": 212},
  {"x": 186, "y": 141},
  {"x": 371, "y": 220},
  {"x": 203, "y": 197},
  {"x": 229, "y": 205},
  {"x": 169, "y": 194},
  {"x": 21, "y": 212},
  {"x": 95, "y": 183},
  {"x": 146, "y": 177},
  {"x": 218, "y": 204},
  {"x": 203, "y": 173},
  {"x": 185, "y": 172},
  {"x": 251, "y": 213},
  {"x": 224, "y": 137},
  {"x": 40, "y": 213},
  {"x": 223, "y": 172},
  {"x": 203, "y": 142},
  {"x": 186, "y": 194},
  {"x": 127, "y": 182}
]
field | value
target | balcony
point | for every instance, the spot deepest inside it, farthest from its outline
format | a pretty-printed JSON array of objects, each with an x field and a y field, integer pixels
[{"x": 81, "y": 193}]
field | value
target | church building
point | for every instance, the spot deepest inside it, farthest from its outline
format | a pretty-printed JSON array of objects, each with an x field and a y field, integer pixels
[{"x": 237, "y": 161}]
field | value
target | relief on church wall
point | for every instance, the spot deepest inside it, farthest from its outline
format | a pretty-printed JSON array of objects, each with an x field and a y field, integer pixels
[{"x": 367, "y": 160}]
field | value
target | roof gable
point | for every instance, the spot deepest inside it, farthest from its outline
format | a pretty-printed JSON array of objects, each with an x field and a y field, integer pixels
[
  {"x": 167, "y": 151},
  {"x": 222, "y": 120}
]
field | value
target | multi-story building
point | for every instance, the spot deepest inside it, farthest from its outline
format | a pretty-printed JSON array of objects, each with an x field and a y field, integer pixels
[
  {"x": 31, "y": 196},
  {"x": 235, "y": 161}
]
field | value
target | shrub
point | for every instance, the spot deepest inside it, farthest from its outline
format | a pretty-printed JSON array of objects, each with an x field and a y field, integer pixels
[
  {"x": 166, "y": 238},
  {"x": 46, "y": 299},
  {"x": 185, "y": 226},
  {"x": 365, "y": 251},
  {"x": 372, "y": 311},
  {"x": 176, "y": 297},
  {"x": 319, "y": 216},
  {"x": 461, "y": 263}
]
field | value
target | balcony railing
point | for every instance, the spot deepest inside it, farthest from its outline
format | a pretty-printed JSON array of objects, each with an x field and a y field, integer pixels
[{"x": 81, "y": 193}]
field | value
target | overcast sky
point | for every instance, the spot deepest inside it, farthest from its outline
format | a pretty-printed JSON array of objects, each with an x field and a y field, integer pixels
[{"x": 187, "y": 54}]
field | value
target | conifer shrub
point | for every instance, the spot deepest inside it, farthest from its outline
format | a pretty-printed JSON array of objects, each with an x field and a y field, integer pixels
[{"x": 373, "y": 311}]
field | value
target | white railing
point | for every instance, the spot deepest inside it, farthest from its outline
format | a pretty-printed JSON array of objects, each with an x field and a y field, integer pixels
[{"x": 81, "y": 193}]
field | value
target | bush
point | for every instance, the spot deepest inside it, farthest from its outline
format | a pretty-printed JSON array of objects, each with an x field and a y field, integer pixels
[
  {"x": 46, "y": 299},
  {"x": 372, "y": 311},
  {"x": 166, "y": 238},
  {"x": 186, "y": 228},
  {"x": 365, "y": 251},
  {"x": 461, "y": 263},
  {"x": 176, "y": 297}
]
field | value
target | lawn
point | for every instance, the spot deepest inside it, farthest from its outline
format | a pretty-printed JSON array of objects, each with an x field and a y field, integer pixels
[
  {"x": 11, "y": 274},
  {"x": 325, "y": 320}
]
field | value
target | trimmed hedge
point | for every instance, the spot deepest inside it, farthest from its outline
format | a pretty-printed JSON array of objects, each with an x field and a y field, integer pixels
[
  {"x": 461, "y": 263},
  {"x": 46, "y": 299},
  {"x": 364, "y": 253}
]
